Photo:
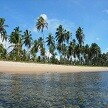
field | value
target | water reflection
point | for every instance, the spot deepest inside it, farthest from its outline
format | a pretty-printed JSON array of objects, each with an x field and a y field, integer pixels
[{"x": 81, "y": 90}]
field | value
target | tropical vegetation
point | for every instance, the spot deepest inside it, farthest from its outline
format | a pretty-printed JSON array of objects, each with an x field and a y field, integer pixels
[{"x": 58, "y": 48}]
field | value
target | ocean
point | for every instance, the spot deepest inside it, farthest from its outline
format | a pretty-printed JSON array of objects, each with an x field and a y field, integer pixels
[{"x": 54, "y": 90}]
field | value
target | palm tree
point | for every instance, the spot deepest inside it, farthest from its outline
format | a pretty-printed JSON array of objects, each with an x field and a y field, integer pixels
[
  {"x": 27, "y": 40},
  {"x": 25, "y": 56},
  {"x": 87, "y": 56},
  {"x": 41, "y": 48},
  {"x": 50, "y": 40},
  {"x": 60, "y": 38},
  {"x": 64, "y": 52},
  {"x": 34, "y": 49},
  {"x": 80, "y": 36},
  {"x": 68, "y": 35},
  {"x": 62, "y": 35},
  {"x": 95, "y": 51},
  {"x": 77, "y": 51},
  {"x": 16, "y": 41},
  {"x": 3, "y": 52},
  {"x": 40, "y": 25},
  {"x": 71, "y": 50},
  {"x": 3, "y": 32},
  {"x": 51, "y": 43},
  {"x": 102, "y": 60}
]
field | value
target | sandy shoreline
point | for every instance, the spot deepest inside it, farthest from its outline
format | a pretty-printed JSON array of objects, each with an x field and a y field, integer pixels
[{"x": 34, "y": 68}]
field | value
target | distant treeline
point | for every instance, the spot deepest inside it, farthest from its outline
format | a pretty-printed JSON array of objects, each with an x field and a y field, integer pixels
[{"x": 61, "y": 48}]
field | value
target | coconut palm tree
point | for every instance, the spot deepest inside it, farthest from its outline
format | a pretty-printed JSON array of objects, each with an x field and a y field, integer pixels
[
  {"x": 3, "y": 32},
  {"x": 40, "y": 25},
  {"x": 80, "y": 36},
  {"x": 102, "y": 60},
  {"x": 27, "y": 40},
  {"x": 71, "y": 50},
  {"x": 3, "y": 52},
  {"x": 68, "y": 35},
  {"x": 95, "y": 51},
  {"x": 50, "y": 40},
  {"x": 34, "y": 49},
  {"x": 51, "y": 43},
  {"x": 60, "y": 38},
  {"x": 41, "y": 49},
  {"x": 77, "y": 51},
  {"x": 16, "y": 42},
  {"x": 87, "y": 56}
]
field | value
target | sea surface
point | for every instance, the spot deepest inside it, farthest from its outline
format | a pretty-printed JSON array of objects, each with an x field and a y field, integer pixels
[{"x": 68, "y": 90}]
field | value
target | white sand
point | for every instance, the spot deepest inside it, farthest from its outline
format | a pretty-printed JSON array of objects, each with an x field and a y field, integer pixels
[{"x": 34, "y": 68}]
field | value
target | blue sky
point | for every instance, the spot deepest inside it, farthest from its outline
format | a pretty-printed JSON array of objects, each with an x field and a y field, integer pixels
[{"x": 91, "y": 15}]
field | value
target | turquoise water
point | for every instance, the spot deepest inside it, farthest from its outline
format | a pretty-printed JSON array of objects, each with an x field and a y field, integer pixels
[{"x": 79, "y": 90}]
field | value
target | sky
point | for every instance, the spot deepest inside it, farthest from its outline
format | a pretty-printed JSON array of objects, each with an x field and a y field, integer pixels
[{"x": 91, "y": 15}]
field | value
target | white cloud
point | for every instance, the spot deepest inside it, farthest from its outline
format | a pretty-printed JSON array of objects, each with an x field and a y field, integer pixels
[{"x": 44, "y": 16}]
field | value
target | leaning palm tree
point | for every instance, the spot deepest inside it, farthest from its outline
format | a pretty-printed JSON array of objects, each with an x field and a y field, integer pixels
[
  {"x": 3, "y": 32},
  {"x": 40, "y": 25}
]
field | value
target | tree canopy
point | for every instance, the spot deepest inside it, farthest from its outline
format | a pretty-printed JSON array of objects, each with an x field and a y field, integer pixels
[{"x": 58, "y": 48}]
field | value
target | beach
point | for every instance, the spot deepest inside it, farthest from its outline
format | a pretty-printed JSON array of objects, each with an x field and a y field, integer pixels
[{"x": 35, "y": 68}]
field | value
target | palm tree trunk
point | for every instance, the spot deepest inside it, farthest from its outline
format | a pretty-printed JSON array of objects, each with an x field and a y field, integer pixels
[{"x": 43, "y": 47}]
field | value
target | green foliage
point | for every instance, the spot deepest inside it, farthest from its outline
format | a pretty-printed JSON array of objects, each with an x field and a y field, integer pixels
[{"x": 62, "y": 48}]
